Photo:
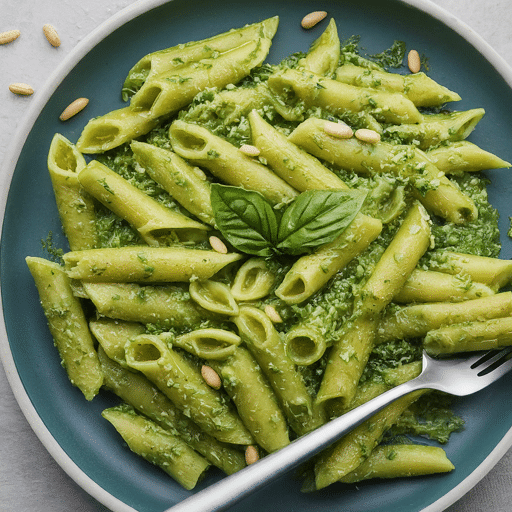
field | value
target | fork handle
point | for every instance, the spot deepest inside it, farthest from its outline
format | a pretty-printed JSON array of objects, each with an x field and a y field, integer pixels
[{"x": 233, "y": 488}]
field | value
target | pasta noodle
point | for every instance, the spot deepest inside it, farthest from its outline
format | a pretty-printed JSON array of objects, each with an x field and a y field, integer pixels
[{"x": 331, "y": 264}]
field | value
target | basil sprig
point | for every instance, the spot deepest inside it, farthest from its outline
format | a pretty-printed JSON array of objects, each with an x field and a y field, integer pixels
[{"x": 250, "y": 223}]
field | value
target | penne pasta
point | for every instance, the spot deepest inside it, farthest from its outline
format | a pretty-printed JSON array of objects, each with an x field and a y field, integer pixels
[
  {"x": 159, "y": 226},
  {"x": 75, "y": 205},
  {"x": 201, "y": 147},
  {"x": 266, "y": 246},
  {"x": 182, "y": 383},
  {"x": 436, "y": 192},
  {"x": 68, "y": 325},
  {"x": 145, "y": 264}
]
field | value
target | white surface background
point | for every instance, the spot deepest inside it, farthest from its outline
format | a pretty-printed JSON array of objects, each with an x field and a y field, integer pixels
[{"x": 30, "y": 480}]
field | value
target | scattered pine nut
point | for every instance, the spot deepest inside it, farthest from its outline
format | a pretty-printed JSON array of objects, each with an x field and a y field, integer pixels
[
  {"x": 311, "y": 19},
  {"x": 73, "y": 108},
  {"x": 366, "y": 135},
  {"x": 249, "y": 150},
  {"x": 338, "y": 130},
  {"x": 9, "y": 36},
  {"x": 413, "y": 61},
  {"x": 51, "y": 35},
  {"x": 22, "y": 89},
  {"x": 211, "y": 377},
  {"x": 251, "y": 455},
  {"x": 218, "y": 245},
  {"x": 272, "y": 313}
]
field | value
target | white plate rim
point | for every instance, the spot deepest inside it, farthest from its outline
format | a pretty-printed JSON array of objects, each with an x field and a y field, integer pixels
[{"x": 9, "y": 164}]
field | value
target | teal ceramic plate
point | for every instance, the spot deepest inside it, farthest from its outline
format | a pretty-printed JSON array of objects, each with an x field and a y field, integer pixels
[{"x": 71, "y": 428}]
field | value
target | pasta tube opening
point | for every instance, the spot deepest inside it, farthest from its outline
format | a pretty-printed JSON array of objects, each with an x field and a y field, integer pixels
[
  {"x": 305, "y": 346},
  {"x": 142, "y": 352},
  {"x": 65, "y": 156},
  {"x": 188, "y": 141},
  {"x": 252, "y": 281},
  {"x": 147, "y": 98},
  {"x": 214, "y": 344},
  {"x": 213, "y": 296},
  {"x": 293, "y": 289},
  {"x": 255, "y": 322},
  {"x": 103, "y": 134}
]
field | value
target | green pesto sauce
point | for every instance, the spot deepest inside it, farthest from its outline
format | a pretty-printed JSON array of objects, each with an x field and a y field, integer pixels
[{"x": 388, "y": 196}]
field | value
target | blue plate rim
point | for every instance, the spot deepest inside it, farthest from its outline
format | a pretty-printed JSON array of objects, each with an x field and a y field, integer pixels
[{"x": 9, "y": 164}]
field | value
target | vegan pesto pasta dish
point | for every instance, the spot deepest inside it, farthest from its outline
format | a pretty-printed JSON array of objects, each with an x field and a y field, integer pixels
[{"x": 255, "y": 249}]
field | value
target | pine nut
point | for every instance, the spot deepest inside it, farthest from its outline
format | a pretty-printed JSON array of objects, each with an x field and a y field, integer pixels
[
  {"x": 51, "y": 35},
  {"x": 272, "y": 313},
  {"x": 413, "y": 61},
  {"x": 218, "y": 245},
  {"x": 73, "y": 108},
  {"x": 22, "y": 89},
  {"x": 247, "y": 149},
  {"x": 311, "y": 19},
  {"x": 366, "y": 135},
  {"x": 251, "y": 455},
  {"x": 338, "y": 130},
  {"x": 211, "y": 377},
  {"x": 9, "y": 36}
]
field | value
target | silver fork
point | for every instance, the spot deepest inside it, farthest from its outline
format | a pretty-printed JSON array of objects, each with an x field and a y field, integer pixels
[{"x": 460, "y": 376}]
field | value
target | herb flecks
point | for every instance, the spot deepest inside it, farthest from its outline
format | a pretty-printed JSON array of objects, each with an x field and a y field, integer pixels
[
  {"x": 55, "y": 254},
  {"x": 393, "y": 57}
]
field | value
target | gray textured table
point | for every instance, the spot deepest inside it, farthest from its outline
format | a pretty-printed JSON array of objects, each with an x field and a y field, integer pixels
[{"x": 30, "y": 480}]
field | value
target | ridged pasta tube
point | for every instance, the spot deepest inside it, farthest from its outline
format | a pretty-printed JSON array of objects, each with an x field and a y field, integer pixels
[
  {"x": 68, "y": 325},
  {"x": 185, "y": 183},
  {"x": 436, "y": 192},
  {"x": 75, "y": 205},
  {"x": 418, "y": 87},
  {"x": 145, "y": 264},
  {"x": 264, "y": 342},
  {"x": 157, "y": 224},
  {"x": 201, "y": 147},
  {"x": 339, "y": 98},
  {"x": 136, "y": 390},
  {"x": 182, "y": 383},
  {"x": 158, "y": 446}
]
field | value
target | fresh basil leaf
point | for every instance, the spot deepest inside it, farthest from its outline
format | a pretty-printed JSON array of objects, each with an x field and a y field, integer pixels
[
  {"x": 245, "y": 219},
  {"x": 317, "y": 217}
]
